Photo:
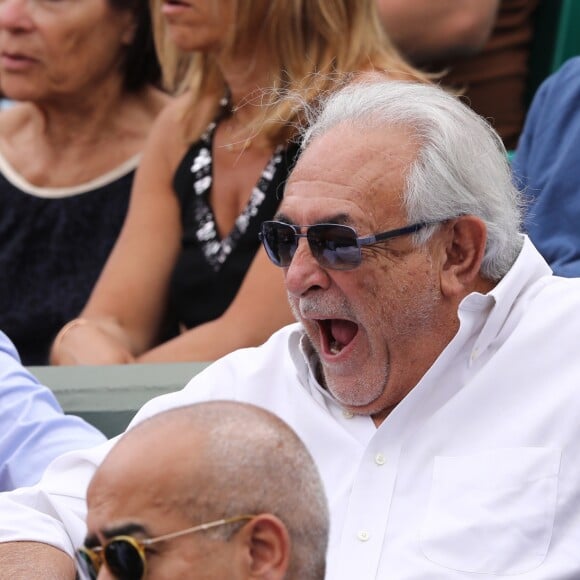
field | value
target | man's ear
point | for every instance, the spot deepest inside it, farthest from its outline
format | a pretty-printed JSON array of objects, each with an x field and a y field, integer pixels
[
  {"x": 267, "y": 544},
  {"x": 464, "y": 250}
]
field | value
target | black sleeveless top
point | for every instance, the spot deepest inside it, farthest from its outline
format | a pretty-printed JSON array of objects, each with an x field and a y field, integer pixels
[
  {"x": 52, "y": 250},
  {"x": 210, "y": 270}
]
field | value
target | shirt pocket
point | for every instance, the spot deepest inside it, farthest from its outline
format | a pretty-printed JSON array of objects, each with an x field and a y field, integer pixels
[{"x": 493, "y": 512}]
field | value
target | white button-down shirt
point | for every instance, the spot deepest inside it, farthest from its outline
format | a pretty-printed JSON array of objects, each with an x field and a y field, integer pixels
[{"x": 475, "y": 474}]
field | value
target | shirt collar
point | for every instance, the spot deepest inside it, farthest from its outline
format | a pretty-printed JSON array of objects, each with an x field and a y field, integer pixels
[
  {"x": 528, "y": 268},
  {"x": 306, "y": 363}
]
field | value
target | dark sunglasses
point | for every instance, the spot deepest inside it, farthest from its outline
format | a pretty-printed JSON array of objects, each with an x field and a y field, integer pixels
[
  {"x": 125, "y": 556},
  {"x": 334, "y": 246}
]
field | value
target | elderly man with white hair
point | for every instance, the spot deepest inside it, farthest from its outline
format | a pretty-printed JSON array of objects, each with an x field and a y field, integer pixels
[{"x": 433, "y": 373}]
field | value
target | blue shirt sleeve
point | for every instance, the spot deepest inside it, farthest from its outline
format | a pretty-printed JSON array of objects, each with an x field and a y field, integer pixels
[
  {"x": 546, "y": 168},
  {"x": 33, "y": 428}
]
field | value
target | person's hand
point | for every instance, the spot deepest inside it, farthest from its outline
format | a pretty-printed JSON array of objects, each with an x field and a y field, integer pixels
[{"x": 84, "y": 342}]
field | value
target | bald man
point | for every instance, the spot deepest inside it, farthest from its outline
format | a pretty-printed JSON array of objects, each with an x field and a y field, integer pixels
[{"x": 211, "y": 490}]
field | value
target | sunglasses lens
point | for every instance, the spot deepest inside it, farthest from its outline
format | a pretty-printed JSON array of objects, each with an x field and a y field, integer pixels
[
  {"x": 280, "y": 242},
  {"x": 124, "y": 560},
  {"x": 334, "y": 246},
  {"x": 87, "y": 567}
]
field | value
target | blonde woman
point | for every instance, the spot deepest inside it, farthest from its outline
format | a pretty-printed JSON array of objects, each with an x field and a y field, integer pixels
[{"x": 189, "y": 257}]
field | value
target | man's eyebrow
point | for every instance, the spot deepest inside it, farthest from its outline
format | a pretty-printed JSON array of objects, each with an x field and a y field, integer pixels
[
  {"x": 128, "y": 529},
  {"x": 281, "y": 217},
  {"x": 337, "y": 218}
]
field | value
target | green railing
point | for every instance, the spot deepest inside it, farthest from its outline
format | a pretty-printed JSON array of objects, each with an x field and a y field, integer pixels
[{"x": 109, "y": 396}]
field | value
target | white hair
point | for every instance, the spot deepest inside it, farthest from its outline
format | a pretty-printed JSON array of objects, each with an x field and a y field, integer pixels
[{"x": 461, "y": 167}]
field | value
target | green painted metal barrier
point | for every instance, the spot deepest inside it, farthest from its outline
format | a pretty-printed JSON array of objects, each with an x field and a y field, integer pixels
[{"x": 109, "y": 396}]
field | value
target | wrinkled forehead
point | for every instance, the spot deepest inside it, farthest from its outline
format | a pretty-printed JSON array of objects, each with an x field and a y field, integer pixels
[{"x": 349, "y": 172}]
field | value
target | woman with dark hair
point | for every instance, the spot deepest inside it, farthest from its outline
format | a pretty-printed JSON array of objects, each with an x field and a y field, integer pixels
[
  {"x": 83, "y": 75},
  {"x": 214, "y": 168}
]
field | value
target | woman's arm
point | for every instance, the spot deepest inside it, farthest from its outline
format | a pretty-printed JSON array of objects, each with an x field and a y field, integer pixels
[
  {"x": 127, "y": 305},
  {"x": 259, "y": 308}
]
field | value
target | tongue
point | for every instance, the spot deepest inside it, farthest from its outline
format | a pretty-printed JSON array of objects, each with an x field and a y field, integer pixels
[{"x": 343, "y": 331}]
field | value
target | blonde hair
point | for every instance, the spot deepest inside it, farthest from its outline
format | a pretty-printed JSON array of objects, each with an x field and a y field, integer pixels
[{"x": 313, "y": 46}]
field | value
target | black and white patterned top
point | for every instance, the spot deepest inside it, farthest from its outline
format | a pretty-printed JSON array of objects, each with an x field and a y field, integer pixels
[{"x": 210, "y": 269}]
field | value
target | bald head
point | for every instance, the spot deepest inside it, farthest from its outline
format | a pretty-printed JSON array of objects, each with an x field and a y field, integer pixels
[{"x": 211, "y": 461}]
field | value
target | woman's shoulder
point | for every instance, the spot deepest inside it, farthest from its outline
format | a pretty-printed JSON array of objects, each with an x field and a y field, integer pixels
[
  {"x": 156, "y": 100},
  {"x": 171, "y": 129},
  {"x": 181, "y": 106},
  {"x": 169, "y": 139}
]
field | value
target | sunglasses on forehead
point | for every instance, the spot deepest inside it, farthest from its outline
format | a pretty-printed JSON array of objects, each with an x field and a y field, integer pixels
[
  {"x": 335, "y": 246},
  {"x": 125, "y": 557}
]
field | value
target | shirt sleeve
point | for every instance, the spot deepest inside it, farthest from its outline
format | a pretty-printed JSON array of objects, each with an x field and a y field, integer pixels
[
  {"x": 35, "y": 429},
  {"x": 547, "y": 171},
  {"x": 54, "y": 510}
]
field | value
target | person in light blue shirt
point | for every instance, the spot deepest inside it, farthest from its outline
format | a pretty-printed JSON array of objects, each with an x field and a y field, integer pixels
[
  {"x": 33, "y": 427},
  {"x": 547, "y": 168}
]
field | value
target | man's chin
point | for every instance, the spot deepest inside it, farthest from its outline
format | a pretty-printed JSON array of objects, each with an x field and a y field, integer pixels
[{"x": 350, "y": 394}]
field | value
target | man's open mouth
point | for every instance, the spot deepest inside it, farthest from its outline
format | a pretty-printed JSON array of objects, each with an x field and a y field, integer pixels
[{"x": 336, "y": 334}]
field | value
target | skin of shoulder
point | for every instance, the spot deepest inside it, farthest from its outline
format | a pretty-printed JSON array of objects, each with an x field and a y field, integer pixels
[
  {"x": 156, "y": 100},
  {"x": 168, "y": 134},
  {"x": 167, "y": 140}
]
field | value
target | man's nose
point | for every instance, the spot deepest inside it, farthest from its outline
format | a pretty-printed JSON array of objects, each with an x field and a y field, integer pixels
[{"x": 304, "y": 272}]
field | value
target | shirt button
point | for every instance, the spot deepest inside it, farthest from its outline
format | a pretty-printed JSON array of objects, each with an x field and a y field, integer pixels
[
  {"x": 363, "y": 536},
  {"x": 380, "y": 459},
  {"x": 347, "y": 414}
]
